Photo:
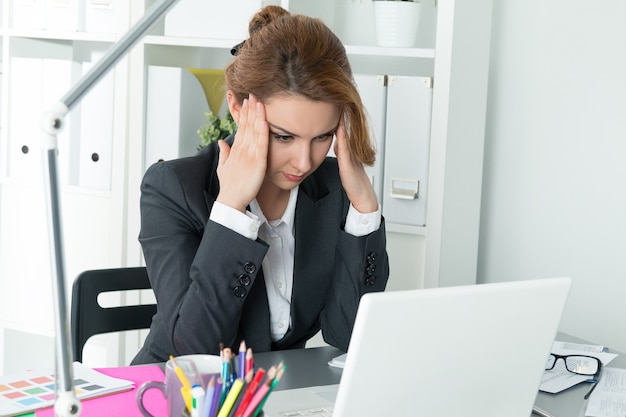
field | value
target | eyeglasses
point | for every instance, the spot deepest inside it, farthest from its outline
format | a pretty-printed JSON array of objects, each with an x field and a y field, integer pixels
[{"x": 579, "y": 364}]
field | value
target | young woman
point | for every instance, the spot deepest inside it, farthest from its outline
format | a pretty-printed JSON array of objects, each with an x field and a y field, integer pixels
[{"x": 262, "y": 237}]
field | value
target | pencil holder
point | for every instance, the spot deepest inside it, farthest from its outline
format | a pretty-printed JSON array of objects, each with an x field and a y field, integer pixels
[{"x": 197, "y": 368}]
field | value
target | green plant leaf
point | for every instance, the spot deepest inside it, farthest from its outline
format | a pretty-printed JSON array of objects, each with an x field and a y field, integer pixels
[{"x": 215, "y": 129}]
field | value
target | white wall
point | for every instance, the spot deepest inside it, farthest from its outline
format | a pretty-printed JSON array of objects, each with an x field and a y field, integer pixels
[{"x": 554, "y": 188}]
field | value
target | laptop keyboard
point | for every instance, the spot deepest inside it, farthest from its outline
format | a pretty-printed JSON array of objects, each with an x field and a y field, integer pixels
[{"x": 310, "y": 412}]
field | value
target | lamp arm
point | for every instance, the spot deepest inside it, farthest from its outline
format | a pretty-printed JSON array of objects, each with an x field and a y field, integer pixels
[{"x": 52, "y": 123}]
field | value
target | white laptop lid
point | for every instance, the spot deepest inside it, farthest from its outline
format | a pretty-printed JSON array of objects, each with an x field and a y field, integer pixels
[
  {"x": 471, "y": 351},
  {"x": 467, "y": 351}
]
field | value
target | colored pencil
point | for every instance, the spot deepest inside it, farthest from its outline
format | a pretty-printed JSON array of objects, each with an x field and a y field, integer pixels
[
  {"x": 185, "y": 390},
  {"x": 246, "y": 382},
  {"x": 208, "y": 398},
  {"x": 217, "y": 394},
  {"x": 233, "y": 393},
  {"x": 260, "y": 393},
  {"x": 241, "y": 369},
  {"x": 249, "y": 360},
  {"x": 250, "y": 390},
  {"x": 225, "y": 373},
  {"x": 275, "y": 381},
  {"x": 179, "y": 372}
]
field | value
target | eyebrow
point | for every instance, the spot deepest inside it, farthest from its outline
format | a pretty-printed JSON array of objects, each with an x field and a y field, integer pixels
[{"x": 288, "y": 133}]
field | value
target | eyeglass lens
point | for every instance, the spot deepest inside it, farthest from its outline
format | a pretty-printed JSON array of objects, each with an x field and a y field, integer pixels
[{"x": 582, "y": 365}]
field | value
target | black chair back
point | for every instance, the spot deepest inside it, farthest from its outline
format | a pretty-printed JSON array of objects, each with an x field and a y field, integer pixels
[{"x": 88, "y": 318}]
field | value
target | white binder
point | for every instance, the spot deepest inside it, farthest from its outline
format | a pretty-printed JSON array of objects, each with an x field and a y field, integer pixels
[
  {"x": 96, "y": 134},
  {"x": 100, "y": 16},
  {"x": 65, "y": 15},
  {"x": 211, "y": 18},
  {"x": 374, "y": 95},
  {"x": 173, "y": 114},
  {"x": 58, "y": 75},
  {"x": 28, "y": 14},
  {"x": 407, "y": 144},
  {"x": 24, "y": 135}
]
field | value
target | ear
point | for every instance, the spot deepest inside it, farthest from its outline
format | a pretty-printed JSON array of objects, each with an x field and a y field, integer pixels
[{"x": 233, "y": 105}]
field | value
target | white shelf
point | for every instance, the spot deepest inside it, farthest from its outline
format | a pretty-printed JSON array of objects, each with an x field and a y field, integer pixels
[
  {"x": 60, "y": 35},
  {"x": 375, "y": 51},
  {"x": 190, "y": 42},
  {"x": 378, "y": 51}
]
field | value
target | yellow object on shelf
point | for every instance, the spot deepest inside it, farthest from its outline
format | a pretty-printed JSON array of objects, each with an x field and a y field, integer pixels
[{"x": 212, "y": 81}]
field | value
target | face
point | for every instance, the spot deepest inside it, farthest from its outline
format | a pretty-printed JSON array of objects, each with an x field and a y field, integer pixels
[{"x": 301, "y": 133}]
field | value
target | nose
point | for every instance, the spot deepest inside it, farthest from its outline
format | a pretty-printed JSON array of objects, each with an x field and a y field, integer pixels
[{"x": 301, "y": 158}]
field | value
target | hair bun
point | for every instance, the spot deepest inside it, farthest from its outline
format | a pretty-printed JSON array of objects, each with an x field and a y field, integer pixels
[{"x": 265, "y": 16}]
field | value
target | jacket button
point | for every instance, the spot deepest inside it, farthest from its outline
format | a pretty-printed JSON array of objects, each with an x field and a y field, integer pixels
[
  {"x": 239, "y": 292},
  {"x": 371, "y": 258},
  {"x": 370, "y": 280},
  {"x": 371, "y": 268},
  {"x": 249, "y": 267},
  {"x": 244, "y": 280}
]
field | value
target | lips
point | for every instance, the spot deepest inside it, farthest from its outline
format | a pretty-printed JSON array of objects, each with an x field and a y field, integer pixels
[{"x": 294, "y": 178}]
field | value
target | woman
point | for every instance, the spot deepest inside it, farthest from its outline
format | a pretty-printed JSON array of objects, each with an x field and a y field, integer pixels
[{"x": 261, "y": 237}]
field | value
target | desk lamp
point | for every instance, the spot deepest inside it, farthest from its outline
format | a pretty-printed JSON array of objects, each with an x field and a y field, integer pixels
[{"x": 66, "y": 404}]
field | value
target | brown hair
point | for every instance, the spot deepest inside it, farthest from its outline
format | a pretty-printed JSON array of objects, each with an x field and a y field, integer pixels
[{"x": 299, "y": 55}]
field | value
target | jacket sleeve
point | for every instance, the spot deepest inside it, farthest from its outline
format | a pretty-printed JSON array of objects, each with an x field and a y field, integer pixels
[
  {"x": 201, "y": 272},
  {"x": 362, "y": 267}
]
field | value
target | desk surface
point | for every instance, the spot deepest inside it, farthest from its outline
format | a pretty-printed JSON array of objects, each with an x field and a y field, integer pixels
[
  {"x": 570, "y": 403},
  {"x": 305, "y": 367},
  {"x": 309, "y": 367}
]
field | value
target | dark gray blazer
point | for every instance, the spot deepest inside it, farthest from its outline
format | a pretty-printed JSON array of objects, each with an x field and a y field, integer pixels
[{"x": 208, "y": 279}]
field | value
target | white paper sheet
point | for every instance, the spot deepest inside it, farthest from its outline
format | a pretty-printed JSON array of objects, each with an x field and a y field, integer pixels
[{"x": 609, "y": 397}]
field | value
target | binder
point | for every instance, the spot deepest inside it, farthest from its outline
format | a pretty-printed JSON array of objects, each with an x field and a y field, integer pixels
[
  {"x": 407, "y": 144},
  {"x": 64, "y": 15},
  {"x": 28, "y": 14},
  {"x": 100, "y": 16},
  {"x": 24, "y": 135},
  {"x": 57, "y": 76},
  {"x": 173, "y": 114},
  {"x": 96, "y": 133},
  {"x": 211, "y": 18},
  {"x": 374, "y": 97}
]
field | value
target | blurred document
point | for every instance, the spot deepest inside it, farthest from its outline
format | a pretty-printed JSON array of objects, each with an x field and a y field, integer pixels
[
  {"x": 559, "y": 378},
  {"x": 609, "y": 397}
]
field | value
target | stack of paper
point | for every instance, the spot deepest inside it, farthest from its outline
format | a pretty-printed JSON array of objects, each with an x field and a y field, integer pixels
[{"x": 559, "y": 378}]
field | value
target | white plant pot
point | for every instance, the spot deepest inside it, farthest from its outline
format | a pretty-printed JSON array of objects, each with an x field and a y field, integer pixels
[{"x": 396, "y": 23}]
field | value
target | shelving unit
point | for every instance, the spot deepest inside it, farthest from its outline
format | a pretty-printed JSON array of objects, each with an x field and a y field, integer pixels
[
  {"x": 101, "y": 225},
  {"x": 93, "y": 216}
]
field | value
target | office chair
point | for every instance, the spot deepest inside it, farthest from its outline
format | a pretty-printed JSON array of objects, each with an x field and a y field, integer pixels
[{"x": 88, "y": 318}]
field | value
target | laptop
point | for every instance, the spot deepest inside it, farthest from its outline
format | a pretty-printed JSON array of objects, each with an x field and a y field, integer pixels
[{"x": 471, "y": 351}]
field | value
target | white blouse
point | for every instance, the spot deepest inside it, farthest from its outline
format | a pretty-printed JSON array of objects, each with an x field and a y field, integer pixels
[{"x": 278, "y": 262}]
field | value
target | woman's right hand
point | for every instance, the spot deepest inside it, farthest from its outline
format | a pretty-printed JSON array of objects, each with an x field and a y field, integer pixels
[{"x": 241, "y": 168}]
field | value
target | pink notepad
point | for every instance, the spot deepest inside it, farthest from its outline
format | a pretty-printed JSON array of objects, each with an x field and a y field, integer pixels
[{"x": 124, "y": 403}]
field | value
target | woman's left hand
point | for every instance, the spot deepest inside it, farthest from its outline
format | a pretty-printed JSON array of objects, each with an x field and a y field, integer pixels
[{"x": 353, "y": 176}]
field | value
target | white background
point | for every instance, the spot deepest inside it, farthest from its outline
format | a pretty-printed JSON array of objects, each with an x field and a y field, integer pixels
[{"x": 554, "y": 193}]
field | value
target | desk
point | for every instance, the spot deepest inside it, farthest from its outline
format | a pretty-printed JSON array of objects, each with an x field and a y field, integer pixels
[
  {"x": 305, "y": 367},
  {"x": 570, "y": 402},
  {"x": 309, "y": 367}
]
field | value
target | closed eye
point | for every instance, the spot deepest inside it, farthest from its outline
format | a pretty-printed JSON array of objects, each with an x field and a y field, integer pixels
[
  {"x": 325, "y": 136},
  {"x": 282, "y": 138},
  {"x": 287, "y": 138}
]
